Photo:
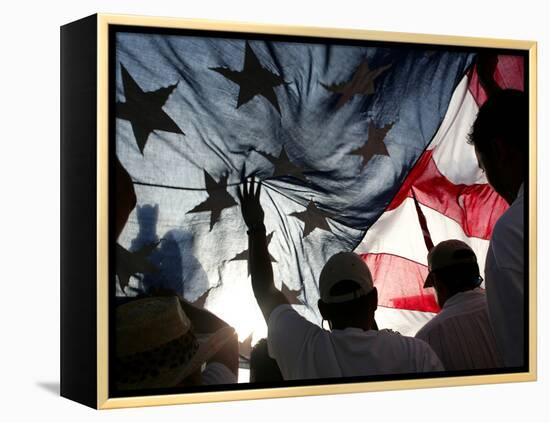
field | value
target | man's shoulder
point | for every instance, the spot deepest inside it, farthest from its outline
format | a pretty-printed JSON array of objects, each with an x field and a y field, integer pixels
[
  {"x": 458, "y": 306},
  {"x": 281, "y": 313},
  {"x": 285, "y": 316},
  {"x": 279, "y": 310},
  {"x": 425, "y": 331},
  {"x": 414, "y": 353},
  {"x": 403, "y": 340},
  {"x": 511, "y": 221},
  {"x": 507, "y": 239}
]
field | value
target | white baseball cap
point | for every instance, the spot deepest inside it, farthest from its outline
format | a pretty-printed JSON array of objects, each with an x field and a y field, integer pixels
[{"x": 340, "y": 267}]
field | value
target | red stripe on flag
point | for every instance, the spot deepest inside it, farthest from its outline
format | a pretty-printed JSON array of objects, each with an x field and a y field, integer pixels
[
  {"x": 475, "y": 207},
  {"x": 400, "y": 283},
  {"x": 509, "y": 73}
]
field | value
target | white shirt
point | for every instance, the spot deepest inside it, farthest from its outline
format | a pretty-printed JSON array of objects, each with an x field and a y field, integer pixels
[
  {"x": 461, "y": 334},
  {"x": 504, "y": 281},
  {"x": 217, "y": 374},
  {"x": 303, "y": 350}
]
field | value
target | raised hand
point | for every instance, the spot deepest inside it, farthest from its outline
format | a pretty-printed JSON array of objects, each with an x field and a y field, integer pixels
[
  {"x": 251, "y": 209},
  {"x": 261, "y": 271}
]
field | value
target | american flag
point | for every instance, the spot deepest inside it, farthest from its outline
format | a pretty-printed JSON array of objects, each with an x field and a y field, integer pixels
[
  {"x": 454, "y": 199},
  {"x": 341, "y": 136}
]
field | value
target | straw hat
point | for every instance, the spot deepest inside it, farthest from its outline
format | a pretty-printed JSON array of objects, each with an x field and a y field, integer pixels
[{"x": 156, "y": 346}]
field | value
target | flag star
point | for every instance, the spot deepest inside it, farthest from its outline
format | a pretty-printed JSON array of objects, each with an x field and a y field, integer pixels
[
  {"x": 253, "y": 80},
  {"x": 375, "y": 143},
  {"x": 361, "y": 83},
  {"x": 312, "y": 218},
  {"x": 283, "y": 166},
  {"x": 130, "y": 263},
  {"x": 245, "y": 255},
  {"x": 291, "y": 294},
  {"x": 144, "y": 110},
  {"x": 201, "y": 300},
  {"x": 218, "y": 198}
]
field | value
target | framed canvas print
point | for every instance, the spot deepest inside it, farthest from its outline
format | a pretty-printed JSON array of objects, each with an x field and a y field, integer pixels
[{"x": 254, "y": 211}]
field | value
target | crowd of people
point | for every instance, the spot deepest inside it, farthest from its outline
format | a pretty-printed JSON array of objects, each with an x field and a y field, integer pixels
[{"x": 163, "y": 341}]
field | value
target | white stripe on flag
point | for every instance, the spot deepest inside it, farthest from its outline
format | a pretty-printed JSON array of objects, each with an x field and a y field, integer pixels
[
  {"x": 398, "y": 232},
  {"x": 454, "y": 157}
]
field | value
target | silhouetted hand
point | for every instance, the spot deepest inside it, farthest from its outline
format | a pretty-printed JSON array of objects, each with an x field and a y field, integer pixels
[
  {"x": 251, "y": 209},
  {"x": 261, "y": 271}
]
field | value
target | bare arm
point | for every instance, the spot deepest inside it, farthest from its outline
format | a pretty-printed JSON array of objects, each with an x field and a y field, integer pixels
[
  {"x": 205, "y": 321},
  {"x": 228, "y": 355},
  {"x": 261, "y": 271}
]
